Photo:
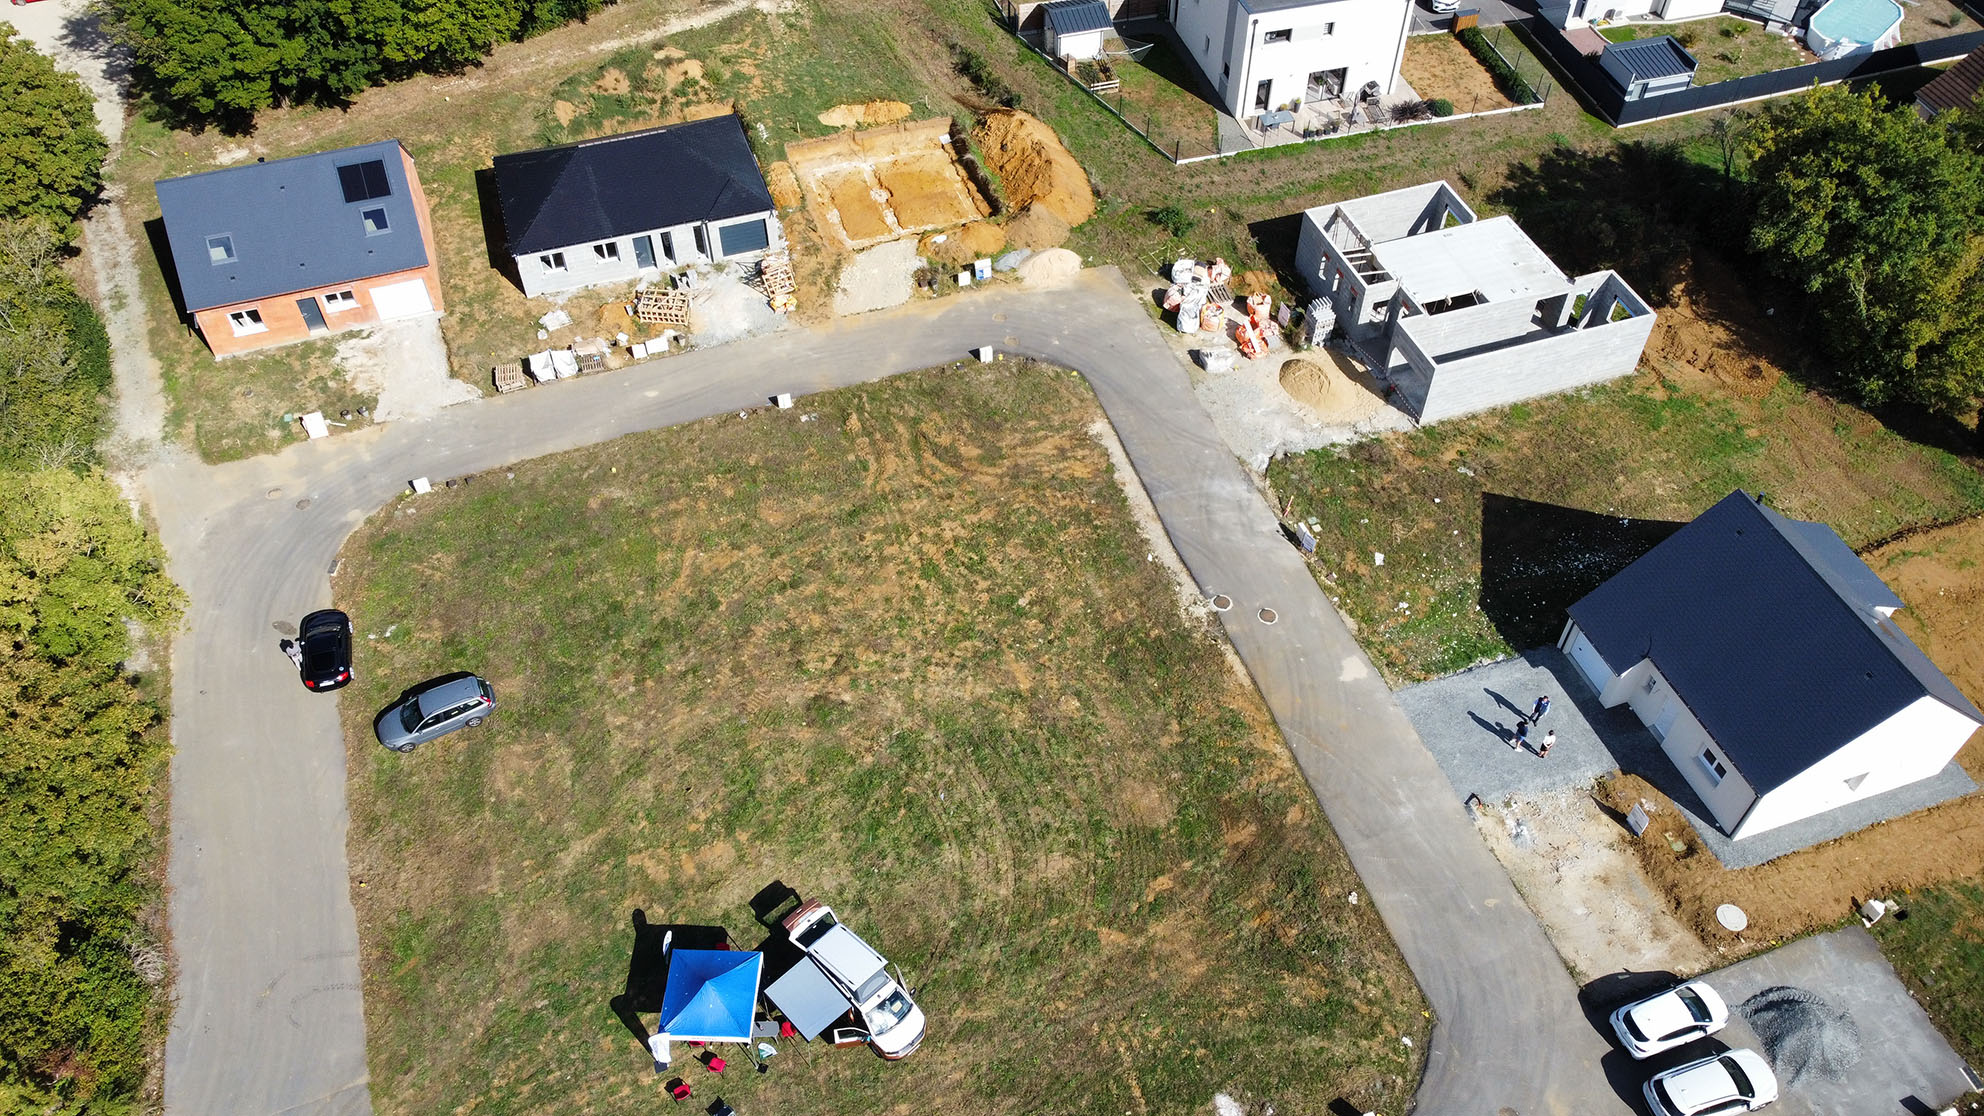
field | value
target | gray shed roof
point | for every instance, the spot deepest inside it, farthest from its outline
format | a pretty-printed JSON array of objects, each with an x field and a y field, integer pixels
[
  {"x": 611, "y": 187},
  {"x": 288, "y": 224},
  {"x": 1767, "y": 628},
  {"x": 1652, "y": 59},
  {"x": 1072, "y": 17}
]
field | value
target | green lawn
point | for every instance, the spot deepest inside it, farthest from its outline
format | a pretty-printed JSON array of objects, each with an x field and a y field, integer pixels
[
  {"x": 1724, "y": 47},
  {"x": 1939, "y": 951},
  {"x": 1491, "y": 525},
  {"x": 908, "y": 658},
  {"x": 1160, "y": 95}
]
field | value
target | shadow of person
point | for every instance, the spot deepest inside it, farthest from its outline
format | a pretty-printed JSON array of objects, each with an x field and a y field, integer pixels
[
  {"x": 1502, "y": 732},
  {"x": 1515, "y": 711}
]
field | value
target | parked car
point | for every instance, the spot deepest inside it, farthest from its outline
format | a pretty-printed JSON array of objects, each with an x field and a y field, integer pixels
[
  {"x": 1673, "y": 1018},
  {"x": 434, "y": 709},
  {"x": 325, "y": 640},
  {"x": 1444, "y": 7},
  {"x": 883, "y": 1002},
  {"x": 1718, "y": 1085}
]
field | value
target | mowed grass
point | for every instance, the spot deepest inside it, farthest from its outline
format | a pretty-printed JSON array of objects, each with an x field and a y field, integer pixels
[
  {"x": 909, "y": 658},
  {"x": 1724, "y": 47},
  {"x": 1939, "y": 952},
  {"x": 1492, "y": 495}
]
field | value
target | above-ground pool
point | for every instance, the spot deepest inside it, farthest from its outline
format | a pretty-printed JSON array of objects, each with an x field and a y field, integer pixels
[{"x": 1844, "y": 27}]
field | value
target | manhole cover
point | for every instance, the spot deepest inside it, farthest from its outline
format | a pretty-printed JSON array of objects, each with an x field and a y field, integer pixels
[
  {"x": 1732, "y": 917},
  {"x": 275, "y": 493},
  {"x": 303, "y": 503},
  {"x": 284, "y": 627},
  {"x": 1221, "y": 602},
  {"x": 1268, "y": 616}
]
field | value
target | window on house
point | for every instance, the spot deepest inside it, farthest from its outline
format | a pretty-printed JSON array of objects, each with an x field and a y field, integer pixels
[
  {"x": 702, "y": 241},
  {"x": 220, "y": 249},
  {"x": 246, "y": 322},
  {"x": 610, "y": 250},
  {"x": 1853, "y": 784},
  {"x": 1208, "y": 49},
  {"x": 1716, "y": 771},
  {"x": 668, "y": 246},
  {"x": 1329, "y": 28},
  {"x": 552, "y": 262},
  {"x": 375, "y": 221},
  {"x": 1281, "y": 36},
  {"x": 335, "y": 301},
  {"x": 364, "y": 181},
  {"x": 1652, "y": 684}
]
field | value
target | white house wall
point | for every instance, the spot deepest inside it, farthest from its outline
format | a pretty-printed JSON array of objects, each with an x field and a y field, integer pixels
[
  {"x": 585, "y": 268},
  {"x": 1728, "y": 800},
  {"x": 1914, "y": 744},
  {"x": 1364, "y": 38}
]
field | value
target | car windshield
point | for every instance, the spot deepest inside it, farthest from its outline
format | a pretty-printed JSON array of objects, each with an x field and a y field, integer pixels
[
  {"x": 1736, "y": 1075},
  {"x": 816, "y": 931},
  {"x": 888, "y": 1013},
  {"x": 410, "y": 715},
  {"x": 872, "y": 987},
  {"x": 1694, "y": 1004}
]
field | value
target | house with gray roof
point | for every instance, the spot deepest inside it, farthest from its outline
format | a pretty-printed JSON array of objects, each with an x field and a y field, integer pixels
[
  {"x": 618, "y": 208},
  {"x": 272, "y": 252},
  {"x": 1764, "y": 655}
]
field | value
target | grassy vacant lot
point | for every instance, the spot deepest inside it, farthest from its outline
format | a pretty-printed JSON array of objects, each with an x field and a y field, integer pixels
[
  {"x": 1160, "y": 94},
  {"x": 1492, "y": 525},
  {"x": 1939, "y": 951},
  {"x": 908, "y": 658},
  {"x": 1725, "y": 47}
]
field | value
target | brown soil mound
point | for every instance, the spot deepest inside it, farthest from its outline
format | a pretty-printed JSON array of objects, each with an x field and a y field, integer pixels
[
  {"x": 1036, "y": 226},
  {"x": 1051, "y": 268},
  {"x": 1035, "y": 167},
  {"x": 565, "y": 111},
  {"x": 963, "y": 245},
  {"x": 1253, "y": 283},
  {"x": 1712, "y": 332},
  {"x": 873, "y": 112},
  {"x": 613, "y": 82},
  {"x": 783, "y": 184}
]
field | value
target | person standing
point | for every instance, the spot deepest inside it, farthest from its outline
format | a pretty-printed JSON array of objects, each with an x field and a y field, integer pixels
[
  {"x": 1522, "y": 734},
  {"x": 1542, "y": 707},
  {"x": 1549, "y": 738},
  {"x": 295, "y": 653}
]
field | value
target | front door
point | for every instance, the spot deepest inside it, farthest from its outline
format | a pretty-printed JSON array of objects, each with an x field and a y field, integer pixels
[
  {"x": 1261, "y": 93},
  {"x": 313, "y": 314},
  {"x": 644, "y": 252}
]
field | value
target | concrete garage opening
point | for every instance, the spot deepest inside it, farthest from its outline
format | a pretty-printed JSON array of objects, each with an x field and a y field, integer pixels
[{"x": 402, "y": 300}]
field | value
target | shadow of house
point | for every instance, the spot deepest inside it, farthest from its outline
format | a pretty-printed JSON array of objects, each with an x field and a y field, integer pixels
[
  {"x": 1538, "y": 559},
  {"x": 162, "y": 252},
  {"x": 1276, "y": 238},
  {"x": 494, "y": 239},
  {"x": 647, "y": 966}
]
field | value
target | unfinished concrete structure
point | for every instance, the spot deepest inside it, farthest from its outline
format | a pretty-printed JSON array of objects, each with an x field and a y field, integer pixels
[{"x": 1457, "y": 314}]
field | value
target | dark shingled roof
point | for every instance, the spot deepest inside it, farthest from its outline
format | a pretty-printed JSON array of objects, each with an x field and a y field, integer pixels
[
  {"x": 1651, "y": 59},
  {"x": 610, "y": 187},
  {"x": 1766, "y": 628},
  {"x": 1071, "y": 17},
  {"x": 1955, "y": 87},
  {"x": 290, "y": 226}
]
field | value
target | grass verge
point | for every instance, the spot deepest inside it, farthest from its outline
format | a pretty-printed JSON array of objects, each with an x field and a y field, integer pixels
[
  {"x": 909, "y": 658},
  {"x": 1939, "y": 952}
]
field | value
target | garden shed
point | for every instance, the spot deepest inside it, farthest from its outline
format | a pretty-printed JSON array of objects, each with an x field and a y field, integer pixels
[
  {"x": 1649, "y": 67},
  {"x": 1075, "y": 28}
]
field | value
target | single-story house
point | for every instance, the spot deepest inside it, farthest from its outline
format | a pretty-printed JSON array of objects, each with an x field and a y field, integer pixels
[
  {"x": 1648, "y": 67},
  {"x": 273, "y": 252},
  {"x": 1458, "y": 314},
  {"x": 1764, "y": 655},
  {"x": 1266, "y": 56},
  {"x": 616, "y": 208},
  {"x": 1076, "y": 28},
  {"x": 1956, "y": 87}
]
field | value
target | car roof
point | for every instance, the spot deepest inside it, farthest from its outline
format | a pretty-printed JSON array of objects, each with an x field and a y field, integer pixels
[
  {"x": 847, "y": 956},
  {"x": 1664, "y": 1014},
  {"x": 324, "y": 618},
  {"x": 1709, "y": 1083},
  {"x": 448, "y": 690}
]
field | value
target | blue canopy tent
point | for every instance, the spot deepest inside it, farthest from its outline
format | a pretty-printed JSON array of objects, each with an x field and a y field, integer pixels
[{"x": 711, "y": 996}]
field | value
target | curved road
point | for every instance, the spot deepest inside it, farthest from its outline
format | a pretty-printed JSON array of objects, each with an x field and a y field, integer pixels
[{"x": 269, "y": 1018}]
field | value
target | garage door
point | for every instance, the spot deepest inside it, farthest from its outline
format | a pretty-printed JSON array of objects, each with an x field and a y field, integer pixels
[
  {"x": 751, "y": 236},
  {"x": 401, "y": 300},
  {"x": 1590, "y": 664}
]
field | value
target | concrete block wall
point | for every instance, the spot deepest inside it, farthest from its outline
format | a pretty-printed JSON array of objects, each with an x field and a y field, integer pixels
[{"x": 1544, "y": 366}]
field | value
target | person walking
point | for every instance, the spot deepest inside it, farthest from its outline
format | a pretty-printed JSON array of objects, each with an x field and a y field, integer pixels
[
  {"x": 295, "y": 653},
  {"x": 1549, "y": 738},
  {"x": 1522, "y": 734},
  {"x": 1542, "y": 707}
]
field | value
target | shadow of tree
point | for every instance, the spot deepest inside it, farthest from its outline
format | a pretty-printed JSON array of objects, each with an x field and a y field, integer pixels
[{"x": 1537, "y": 559}]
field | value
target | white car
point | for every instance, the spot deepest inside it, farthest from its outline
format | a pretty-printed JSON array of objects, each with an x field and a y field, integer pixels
[
  {"x": 894, "y": 1023},
  {"x": 1673, "y": 1018},
  {"x": 1720, "y": 1085}
]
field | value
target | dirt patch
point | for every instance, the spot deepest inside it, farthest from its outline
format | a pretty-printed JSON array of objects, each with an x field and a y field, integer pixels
[
  {"x": 1708, "y": 333},
  {"x": 975, "y": 241},
  {"x": 613, "y": 83},
  {"x": 1569, "y": 860},
  {"x": 1438, "y": 66},
  {"x": 873, "y": 112},
  {"x": 1036, "y": 226},
  {"x": 675, "y": 74},
  {"x": 877, "y": 277},
  {"x": 783, "y": 184},
  {"x": 565, "y": 111},
  {"x": 1035, "y": 166},
  {"x": 882, "y": 183}
]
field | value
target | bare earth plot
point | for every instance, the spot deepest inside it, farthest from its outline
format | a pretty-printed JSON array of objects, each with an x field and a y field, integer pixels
[{"x": 881, "y": 183}]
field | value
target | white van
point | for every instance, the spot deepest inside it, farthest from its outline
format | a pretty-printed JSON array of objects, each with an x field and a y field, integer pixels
[{"x": 893, "y": 1023}]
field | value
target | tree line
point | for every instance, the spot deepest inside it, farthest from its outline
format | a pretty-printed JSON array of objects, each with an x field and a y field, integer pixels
[
  {"x": 82, "y": 747},
  {"x": 222, "y": 61}
]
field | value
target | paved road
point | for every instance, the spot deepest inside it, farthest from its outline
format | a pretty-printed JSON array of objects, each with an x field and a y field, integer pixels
[{"x": 270, "y": 1019}]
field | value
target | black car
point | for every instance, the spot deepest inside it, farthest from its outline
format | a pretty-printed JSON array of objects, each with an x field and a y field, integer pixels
[{"x": 325, "y": 641}]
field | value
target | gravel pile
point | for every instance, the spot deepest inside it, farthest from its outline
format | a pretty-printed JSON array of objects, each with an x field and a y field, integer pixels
[
  {"x": 877, "y": 278},
  {"x": 1802, "y": 1033}
]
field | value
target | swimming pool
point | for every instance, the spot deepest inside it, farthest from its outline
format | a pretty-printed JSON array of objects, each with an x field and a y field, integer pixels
[{"x": 1844, "y": 27}]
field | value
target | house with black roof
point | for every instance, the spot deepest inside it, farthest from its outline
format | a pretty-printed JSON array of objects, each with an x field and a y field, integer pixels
[
  {"x": 272, "y": 252},
  {"x": 619, "y": 207},
  {"x": 1648, "y": 67},
  {"x": 1764, "y": 655}
]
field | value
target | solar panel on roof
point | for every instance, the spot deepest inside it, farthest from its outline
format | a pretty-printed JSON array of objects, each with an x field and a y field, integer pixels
[{"x": 364, "y": 181}]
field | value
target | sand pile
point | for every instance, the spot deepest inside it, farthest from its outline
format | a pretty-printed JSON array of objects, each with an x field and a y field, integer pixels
[
  {"x": 1331, "y": 386},
  {"x": 976, "y": 241},
  {"x": 783, "y": 184},
  {"x": 1052, "y": 268},
  {"x": 1030, "y": 159},
  {"x": 873, "y": 112}
]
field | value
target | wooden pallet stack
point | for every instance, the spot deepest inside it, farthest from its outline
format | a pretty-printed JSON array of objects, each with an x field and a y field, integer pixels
[
  {"x": 509, "y": 378},
  {"x": 658, "y": 307},
  {"x": 775, "y": 279}
]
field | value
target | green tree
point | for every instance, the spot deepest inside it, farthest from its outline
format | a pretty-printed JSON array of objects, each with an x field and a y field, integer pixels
[
  {"x": 1876, "y": 214},
  {"x": 74, "y": 567},
  {"x": 54, "y": 356},
  {"x": 51, "y": 153}
]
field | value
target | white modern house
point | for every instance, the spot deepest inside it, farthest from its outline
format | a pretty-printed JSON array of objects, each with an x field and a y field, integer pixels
[
  {"x": 617, "y": 208},
  {"x": 1267, "y": 56},
  {"x": 1458, "y": 314},
  {"x": 1764, "y": 655}
]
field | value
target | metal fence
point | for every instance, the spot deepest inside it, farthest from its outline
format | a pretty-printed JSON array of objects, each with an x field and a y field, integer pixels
[
  {"x": 1605, "y": 98},
  {"x": 1528, "y": 69}
]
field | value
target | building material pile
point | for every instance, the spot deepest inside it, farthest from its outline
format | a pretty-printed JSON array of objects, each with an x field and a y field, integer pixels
[
  {"x": 659, "y": 307},
  {"x": 1196, "y": 294}
]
